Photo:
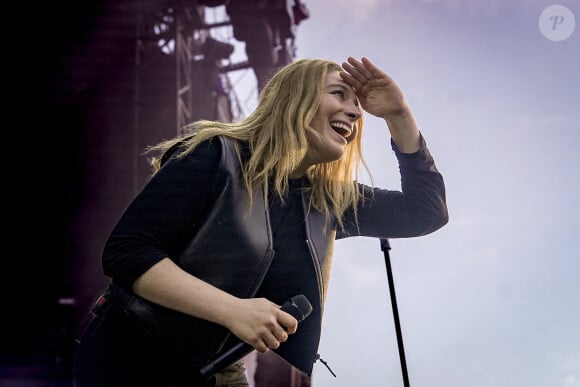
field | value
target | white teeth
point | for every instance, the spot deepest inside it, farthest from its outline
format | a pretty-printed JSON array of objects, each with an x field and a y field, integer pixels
[{"x": 342, "y": 126}]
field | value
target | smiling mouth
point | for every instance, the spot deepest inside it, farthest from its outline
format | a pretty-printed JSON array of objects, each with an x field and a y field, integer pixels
[{"x": 341, "y": 128}]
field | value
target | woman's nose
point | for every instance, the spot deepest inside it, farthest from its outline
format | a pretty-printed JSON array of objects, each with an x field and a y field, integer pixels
[{"x": 353, "y": 112}]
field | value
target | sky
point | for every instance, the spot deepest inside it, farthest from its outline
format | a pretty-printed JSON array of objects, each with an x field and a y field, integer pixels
[{"x": 492, "y": 299}]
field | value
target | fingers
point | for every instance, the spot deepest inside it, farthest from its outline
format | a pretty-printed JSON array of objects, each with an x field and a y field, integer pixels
[
  {"x": 357, "y": 69},
  {"x": 288, "y": 322},
  {"x": 275, "y": 330},
  {"x": 352, "y": 76},
  {"x": 279, "y": 336},
  {"x": 271, "y": 338},
  {"x": 358, "y": 73},
  {"x": 372, "y": 68},
  {"x": 262, "y": 324},
  {"x": 284, "y": 326}
]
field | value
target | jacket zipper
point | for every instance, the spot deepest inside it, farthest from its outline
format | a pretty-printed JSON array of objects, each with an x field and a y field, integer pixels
[{"x": 325, "y": 364}]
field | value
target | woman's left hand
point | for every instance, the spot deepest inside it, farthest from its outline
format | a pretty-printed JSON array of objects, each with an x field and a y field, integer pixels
[
  {"x": 380, "y": 96},
  {"x": 376, "y": 91}
]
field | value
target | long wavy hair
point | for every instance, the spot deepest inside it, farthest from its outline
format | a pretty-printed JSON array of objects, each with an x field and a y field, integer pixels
[{"x": 277, "y": 135}]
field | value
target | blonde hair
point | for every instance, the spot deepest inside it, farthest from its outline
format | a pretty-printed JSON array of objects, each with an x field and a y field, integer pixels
[{"x": 276, "y": 133}]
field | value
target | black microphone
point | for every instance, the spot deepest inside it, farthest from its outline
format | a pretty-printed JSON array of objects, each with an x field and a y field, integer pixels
[{"x": 298, "y": 306}]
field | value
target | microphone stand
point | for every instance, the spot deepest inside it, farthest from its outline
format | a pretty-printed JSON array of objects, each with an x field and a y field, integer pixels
[{"x": 385, "y": 247}]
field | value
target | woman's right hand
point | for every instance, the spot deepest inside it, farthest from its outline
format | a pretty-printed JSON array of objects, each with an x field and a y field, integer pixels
[{"x": 261, "y": 323}]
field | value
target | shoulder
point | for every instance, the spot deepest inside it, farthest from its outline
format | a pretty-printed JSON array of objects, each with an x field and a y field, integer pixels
[
  {"x": 213, "y": 154},
  {"x": 231, "y": 149},
  {"x": 222, "y": 144}
]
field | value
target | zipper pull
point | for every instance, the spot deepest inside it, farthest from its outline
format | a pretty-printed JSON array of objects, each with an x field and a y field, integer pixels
[{"x": 317, "y": 357}]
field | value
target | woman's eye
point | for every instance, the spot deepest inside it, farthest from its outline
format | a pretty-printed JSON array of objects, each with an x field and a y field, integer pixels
[{"x": 338, "y": 92}]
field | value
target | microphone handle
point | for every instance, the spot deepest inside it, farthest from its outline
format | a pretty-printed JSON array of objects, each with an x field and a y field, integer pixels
[{"x": 226, "y": 359}]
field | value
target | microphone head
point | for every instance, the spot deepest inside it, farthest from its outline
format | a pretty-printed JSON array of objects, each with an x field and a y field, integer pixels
[{"x": 298, "y": 306}]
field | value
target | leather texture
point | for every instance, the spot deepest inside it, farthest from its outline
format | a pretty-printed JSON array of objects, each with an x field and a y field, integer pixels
[{"x": 232, "y": 249}]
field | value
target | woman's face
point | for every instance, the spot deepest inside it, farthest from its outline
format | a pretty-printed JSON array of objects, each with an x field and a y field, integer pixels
[{"x": 334, "y": 121}]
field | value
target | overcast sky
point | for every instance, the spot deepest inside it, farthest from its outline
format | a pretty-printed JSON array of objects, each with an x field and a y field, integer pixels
[{"x": 493, "y": 298}]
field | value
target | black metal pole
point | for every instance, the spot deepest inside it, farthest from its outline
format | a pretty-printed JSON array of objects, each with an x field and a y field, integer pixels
[{"x": 385, "y": 246}]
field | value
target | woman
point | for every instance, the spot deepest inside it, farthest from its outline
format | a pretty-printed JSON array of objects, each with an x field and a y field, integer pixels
[{"x": 240, "y": 217}]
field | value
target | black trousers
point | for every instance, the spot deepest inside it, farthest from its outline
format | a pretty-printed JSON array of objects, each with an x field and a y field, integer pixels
[{"x": 115, "y": 352}]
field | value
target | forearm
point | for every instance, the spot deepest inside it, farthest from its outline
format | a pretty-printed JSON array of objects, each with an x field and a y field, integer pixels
[
  {"x": 404, "y": 130},
  {"x": 258, "y": 322},
  {"x": 168, "y": 285}
]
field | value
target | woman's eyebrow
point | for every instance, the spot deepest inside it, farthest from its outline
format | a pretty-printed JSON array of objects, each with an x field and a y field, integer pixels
[{"x": 338, "y": 84}]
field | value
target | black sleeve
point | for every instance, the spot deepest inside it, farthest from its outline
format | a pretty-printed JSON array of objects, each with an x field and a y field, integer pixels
[
  {"x": 419, "y": 208},
  {"x": 160, "y": 220}
]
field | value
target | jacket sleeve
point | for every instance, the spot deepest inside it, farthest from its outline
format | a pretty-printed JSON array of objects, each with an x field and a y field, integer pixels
[{"x": 419, "y": 208}]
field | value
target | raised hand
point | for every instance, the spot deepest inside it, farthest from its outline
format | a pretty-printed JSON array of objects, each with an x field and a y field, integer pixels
[
  {"x": 377, "y": 92},
  {"x": 380, "y": 96}
]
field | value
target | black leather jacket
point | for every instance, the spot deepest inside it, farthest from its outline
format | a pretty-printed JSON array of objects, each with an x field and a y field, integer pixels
[{"x": 239, "y": 266}]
